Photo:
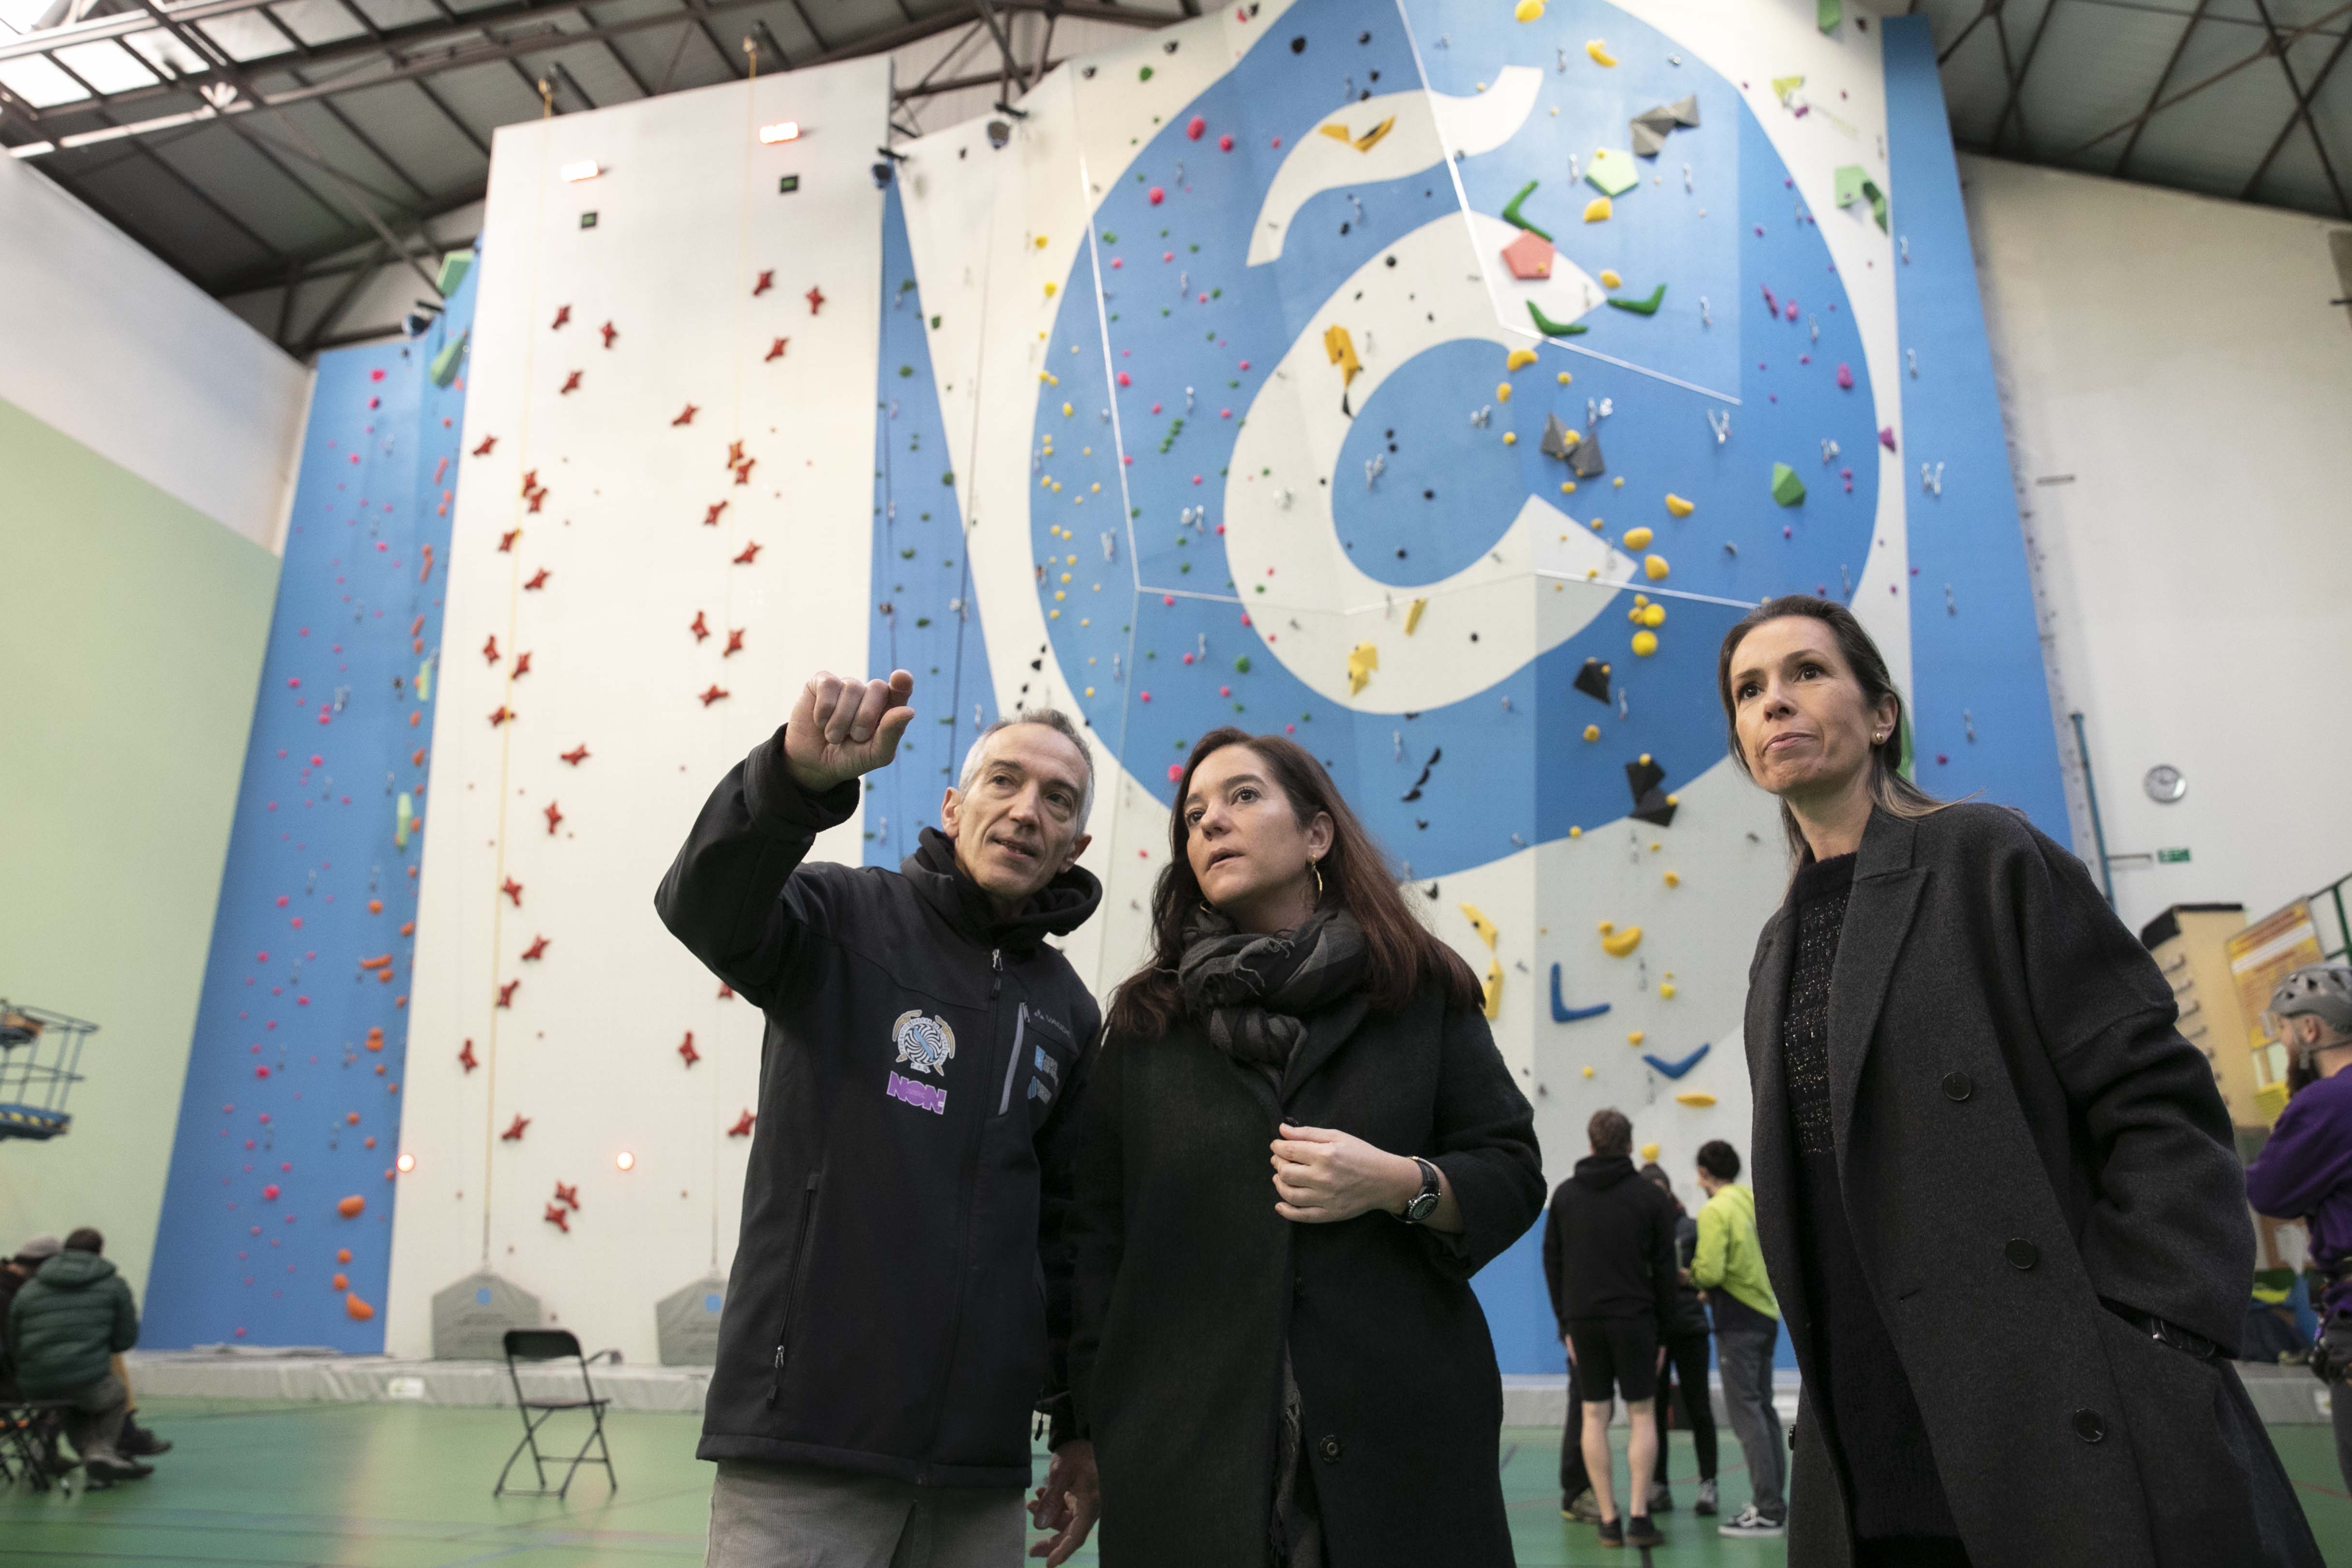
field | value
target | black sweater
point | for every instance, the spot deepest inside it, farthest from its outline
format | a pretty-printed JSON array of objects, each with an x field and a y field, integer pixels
[
  {"x": 1609, "y": 1246},
  {"x": 1880, "y": 1438}
]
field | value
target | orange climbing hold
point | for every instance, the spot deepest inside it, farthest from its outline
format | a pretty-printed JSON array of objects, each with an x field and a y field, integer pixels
[
  {"x": 359, "y": 1311},
  {"x": 351, "y": 1207}
]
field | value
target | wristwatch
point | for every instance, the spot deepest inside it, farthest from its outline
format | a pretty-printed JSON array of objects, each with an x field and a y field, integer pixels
[{"x": 1424, "y": 1202}]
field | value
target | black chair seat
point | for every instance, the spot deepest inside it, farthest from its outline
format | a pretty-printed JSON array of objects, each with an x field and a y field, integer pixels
[{"x": 544, "y": 1345}]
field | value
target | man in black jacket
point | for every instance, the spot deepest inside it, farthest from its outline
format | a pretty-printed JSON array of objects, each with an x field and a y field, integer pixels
[
  {"x": 899, "y": 1301},
  {"x": 1609, "y": 1261}
]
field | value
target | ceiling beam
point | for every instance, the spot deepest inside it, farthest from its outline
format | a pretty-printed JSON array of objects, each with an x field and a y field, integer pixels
[
  {"x": 2016, "y": 82},
  {"x": 2158, "y": 103},
  {"x": 331, "y": 251},
  {"x": 2303, "y": 97}
]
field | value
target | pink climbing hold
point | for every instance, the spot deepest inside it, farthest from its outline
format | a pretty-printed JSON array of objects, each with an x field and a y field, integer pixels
[
  {"x": 261, "y": 1072},
  {"x": 1790, "y": 311},
  {"x": 1225, "y": 143},
  {"x": 1846, "y": 377},
  {"x": 1245, "y": 365},
  {"x": 1886, "y": 437},
  {"x": 1123, "y": 380},
  {"x": 1147, "y": 695},
  {"x": 1771, "y": 305},
  {"x": 269, "y": 1193},
  {"x": 1175, "y": 773},
  {"x": 1197, "y": 129},
  {"x": 1155, "y": 195},
  {"x": 1165, "y": 599}
]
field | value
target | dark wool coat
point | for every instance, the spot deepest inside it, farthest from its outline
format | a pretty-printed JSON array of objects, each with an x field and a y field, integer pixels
[
  {"x": 1188, "y": 1283},
  {"x": 2020, "y": 1132}
]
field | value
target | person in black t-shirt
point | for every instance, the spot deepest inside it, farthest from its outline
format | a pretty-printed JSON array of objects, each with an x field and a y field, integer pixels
[{"x": 1996, "y": 1190}]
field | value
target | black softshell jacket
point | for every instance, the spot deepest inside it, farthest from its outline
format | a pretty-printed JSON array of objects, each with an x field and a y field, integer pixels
[{"x": 899, "y": 1298}]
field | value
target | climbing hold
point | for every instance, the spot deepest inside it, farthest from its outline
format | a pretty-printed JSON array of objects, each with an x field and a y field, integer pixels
[
  {"x": 1502, "y": 391},
  {"x": 1677, "y": 506},
  {"x": 1597, "y": 210},
  {"x": 1846, "y": 377},
  {"x": 767, "y": 281},
  {"x": 500, "y": 714},
  {"x": 513, "y": 1134},
  {"x": 713, "y": 693},
  {"x": 575, "y": 756},
  {"x": 1527, "y": 11},
  {"x": 1584, "y": 458},
  {"x": 1673, "y": 879},
  {"x": 1194, "y": 129},
  {"x": 1482, "y": 925},
  {"x": 1650, "y": 1152},
  {"x": 559, "y": 1217},
  {"x": 743, "y": 1125},
  {"x": 1697, "y": 1096},
  {"x": 775, "y": 350},
  {"x": 685, "y": 1051},
  {"x": 751, "y": 553},
  {"x": 1562, "y": 1014},
  {"x": 562, "y": 314},
  {"x": 353, "y": 1207},
  {"x": 1552, "y": 329},
  {"x": 1619, "y": 943},
  {"x": 1599, "y": 53},
  {"x": 687, "y": 417},
  {"x": 1362, "y": 661},
  {"x": 536, "y": 579},
  {"x": 610, "y": 331},
  {"x": 1528, "y": 257},
  {"x": 1610, "y": 172},
  {"x": 1645, "y": 306},
  {"x": 1592, "y": 679},
  {"x": 359, "y": 1311},
  {"x": 569, "y": 1196},
  {"x": 1593, "y": 732},
  {"x": 1787, "y": 487},
  {"x": 1610, "y": 279},
  {"x": 1519, "y": 359},
  {"x": 513, "y": 890},
  {"x": 1413, "y": 615},
  {"x": 815, "y": 297},
  {"x": 483, "y": 450},
  {"x": 554, "y": 816},
  {"x": 1886, "y": 437},
  {"x": 571, "y": 383},
  {"x": 1634, "y": 1037},
  {"x": 466, "y": 1057},
  {"x": 1588, "y": 1072},
  {"x": 1157, "y": 194},
  {"x": 1652, "y": 615},
  {"x": 1510, "y": 437},
  {"x": 1637, "y": 538},
  {"x": 1493, "y": 989},
  {"x": 1654, "y": 567}
]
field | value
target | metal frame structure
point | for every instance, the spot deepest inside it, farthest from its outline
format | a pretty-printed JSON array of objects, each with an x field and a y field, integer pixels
[{"x": 33, "y": 1090}]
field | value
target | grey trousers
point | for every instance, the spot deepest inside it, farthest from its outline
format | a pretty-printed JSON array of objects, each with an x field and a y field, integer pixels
[
  {"x": 805, "y": 1516},
  {"x": 2340, "y": 1403},
  {"x": 1745, "y": 1358},
  {"x": 94, "y": 1421}
]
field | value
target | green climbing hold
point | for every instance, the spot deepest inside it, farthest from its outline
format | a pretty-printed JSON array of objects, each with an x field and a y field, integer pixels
[
  {"x": 1242, "y": 664},
  {"x": 906, "y": 369},
  {"x": 1552, "y": 329},
  {"x": 1143, "y": 74},
  {"x": 1828, "y": 14},
  {"x": 1647, "y": 306},
  {"x": 935, "y": 323},
  {"x": 1787, "y": 487},
  {"x": 1109, "y": 238},
  {"x": 947, "y": 477},
  {"x": 1511, "y": 210}
]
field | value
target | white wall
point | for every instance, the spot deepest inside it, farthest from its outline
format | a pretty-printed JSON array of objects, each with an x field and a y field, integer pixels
[
  {"x": 102, "y": 341},
  {"x": 2178, "y": 395}
]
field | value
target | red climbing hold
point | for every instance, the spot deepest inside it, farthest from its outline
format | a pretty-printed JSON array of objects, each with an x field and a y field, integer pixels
[
  {"x": 714, "y": 693},
  {"x": 742, "y": 1128},
  {"x": 767, "y": 281},
  {"x": 815, "y": 297},
  {"x": 699, "y": 629},
  {"x": 491, "y": 647},
  {"x": 1196, "y": 128},
  {"x": 538, "y": 579},
  {"x": 534, "y": 498},
  {"x": 513, "y": 890},
  {"x": 577, "y": 755},
  {"x": 686, "y": 417},
  {"x": 1225, "y": 143},
  {"x": 569, "y": 1195},
  {"x": 744, "y": 470},
  {"x": 514, "y": 1133},
  {"x": 521, "y": 666},
  {"x": 775, "y": 350},
  {"x": 710, "y": 513},
  {"x": 537, "y": 950},
  {"x": 483, "y": 450},
  {"x": 734, "y": 644},
  {"x": 559, "y": 1217},
  {"x": 562, "y": 314},
  {"x": 610, "y": 331},
  {"x": 751, "y": 553},
  {"x": 571, "y": 383},
  {"x": 466, "y": 1057},
  {"x": 269, "y": 1193},
  {"x": 506, "y": 992},
  {"x": 686, "y": 1049},
  {"x": 506, "y": 540},
  {"x": 554, "y": 816},
  {"x": 500, "y": 714}
]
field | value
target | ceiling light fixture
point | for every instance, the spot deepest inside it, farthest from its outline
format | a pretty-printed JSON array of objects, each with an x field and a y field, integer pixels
[
  {"x": 586, "y": 168},
  {"x": 781, "y": 130}
]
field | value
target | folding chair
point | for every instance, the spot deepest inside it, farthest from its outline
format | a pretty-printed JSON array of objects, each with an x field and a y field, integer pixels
[
  {"x": 553, "y": 1344},
  {"x": 28, "y": 1439}
]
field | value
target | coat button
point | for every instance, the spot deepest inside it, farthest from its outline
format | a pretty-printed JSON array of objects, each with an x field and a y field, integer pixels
[
  {"x": 1957, "y": 1087},
  {"x": 2022, "y": 1254},
  {"x": 2088, "y": 1427},
  {"x": 1330, "y": 1445}
]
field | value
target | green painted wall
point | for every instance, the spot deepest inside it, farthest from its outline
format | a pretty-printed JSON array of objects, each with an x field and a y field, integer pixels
[{"x": 132, "y": 630}]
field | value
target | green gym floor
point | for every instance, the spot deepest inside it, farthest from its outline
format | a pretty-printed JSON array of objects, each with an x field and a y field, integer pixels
[{"x": 376, "y": 1486}]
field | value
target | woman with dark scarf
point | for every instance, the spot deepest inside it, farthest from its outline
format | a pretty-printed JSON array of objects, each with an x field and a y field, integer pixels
[{"x": 1300, "y": 1144}]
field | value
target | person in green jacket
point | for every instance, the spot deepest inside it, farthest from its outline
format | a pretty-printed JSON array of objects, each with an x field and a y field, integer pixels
[
  {"x": 65, "y": 1327},
  {"x": 1728, "y": 1264}
]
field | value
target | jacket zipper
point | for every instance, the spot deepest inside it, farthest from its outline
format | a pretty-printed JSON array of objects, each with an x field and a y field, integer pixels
[
  {"x": 793, "y": 1291},
  {"x": 996, "y": 963},
  {"x": 963, "y": 1239},
  {"x": 1020, "y": 1029}
]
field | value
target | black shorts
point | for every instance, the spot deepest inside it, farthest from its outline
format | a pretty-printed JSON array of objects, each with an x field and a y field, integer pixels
[{"x": 1615, "y": 1354}]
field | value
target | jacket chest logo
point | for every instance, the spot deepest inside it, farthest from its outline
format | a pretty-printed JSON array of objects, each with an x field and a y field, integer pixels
[{"x": 926, "y": 1043}]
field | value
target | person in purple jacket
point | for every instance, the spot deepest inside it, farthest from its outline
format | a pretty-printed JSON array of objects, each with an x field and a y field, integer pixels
[{"x": 2305, "y": 1170}]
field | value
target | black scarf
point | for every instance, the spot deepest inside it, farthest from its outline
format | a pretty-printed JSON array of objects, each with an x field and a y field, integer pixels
[
  {"x": 1058, "y": 908},
  {"x": 1254, "y": 993}
]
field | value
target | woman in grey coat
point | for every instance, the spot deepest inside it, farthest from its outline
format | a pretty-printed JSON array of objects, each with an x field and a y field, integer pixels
[{"x": 1996, "y": 1189}]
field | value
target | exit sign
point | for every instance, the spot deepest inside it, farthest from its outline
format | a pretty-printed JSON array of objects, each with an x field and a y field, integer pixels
[{"x": 2172, "y": 857}]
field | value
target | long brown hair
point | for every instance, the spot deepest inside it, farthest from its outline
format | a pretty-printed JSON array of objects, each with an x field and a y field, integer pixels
[
  {"x": 1405, "y": 957},
  {"x": 1891, "y": 789}
]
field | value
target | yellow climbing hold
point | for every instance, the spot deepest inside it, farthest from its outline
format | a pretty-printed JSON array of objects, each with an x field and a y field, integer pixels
[
  {"x": 1337, "y": 346},
  {"x": 1336, "y": 132},
  {"x": 1673, "y": 879},
  {"x": 1050, "y": 289},
  {"x": 1588, "y": 1072},
  {"x": 1666, "y": 990},
  {"x": 1528, "y": 11},
  {"x": 1610, "y": 280},
  {"x": 1066, "y": 411},
  {"x": 1482, "y": 925},
  {"x": 1510, "y": 437},
  {"x": 1637, "y": 539},
  {"x": 1653, "y": 616},
  {"x": 1502, "y": 391},
  {"x": 1593, "y": 732},
  {"x": 1649, "y": 1152},
  {"x": 1673, "y": 800},
  {"x": 1493, "y": 989},
  {"x": 1576, "y": 833},
  {"x": 1635, "y": 1037},
  {"x": 1599, "y": 53},
  {"x": 1646, "y": 643},
  {"x": 1362, "y": 661},
  {"x": 1565, "y": 378},
  {"x": 1698, "y": 1097},
  {"x": 1654, "y": 567},
  {"x": 1597, "y": 210},
  {"x": 1520, "y": 358},
  {"x": 1618, "y": 944},
  {"x": 1413, "y": 615},
  {"x": 1040, "y": 242},
  {"x": 1679, "y": 507}
]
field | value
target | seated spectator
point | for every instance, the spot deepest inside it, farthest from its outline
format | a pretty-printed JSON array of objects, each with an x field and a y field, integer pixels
[{"x": 65, "y": 1327}]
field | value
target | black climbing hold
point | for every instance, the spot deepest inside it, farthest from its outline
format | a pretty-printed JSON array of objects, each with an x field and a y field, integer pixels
[
  {"x": 1298, "y": 45},
  {"x": 1391, "y": 261},
  {"x": 1363, "y": 37},
  {"x": 1593, "y": 681}
]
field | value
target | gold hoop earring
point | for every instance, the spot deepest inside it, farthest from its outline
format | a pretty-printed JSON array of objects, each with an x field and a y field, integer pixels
[{"x": 1316, "y": 867}]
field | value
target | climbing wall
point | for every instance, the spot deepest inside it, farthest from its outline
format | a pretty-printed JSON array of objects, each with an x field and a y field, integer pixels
[
  {"x": 277, "y": 1222},
  {"x": 670, "y": 448},
  {"x": 1436, "y": 386}
]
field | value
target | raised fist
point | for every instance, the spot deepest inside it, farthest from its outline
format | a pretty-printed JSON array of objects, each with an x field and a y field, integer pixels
[{"x": 841, "y": 729}]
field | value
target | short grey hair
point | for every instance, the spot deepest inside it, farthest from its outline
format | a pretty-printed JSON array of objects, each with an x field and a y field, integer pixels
[{"x": 1053, "y": 718}]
